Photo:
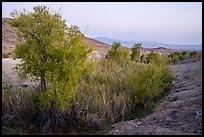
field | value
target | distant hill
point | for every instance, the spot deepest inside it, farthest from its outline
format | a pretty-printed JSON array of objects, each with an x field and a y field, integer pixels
[{"x": 150, "y": 44}]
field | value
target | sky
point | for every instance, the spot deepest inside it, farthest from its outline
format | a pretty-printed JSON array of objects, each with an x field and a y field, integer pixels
[{"x": 167, "y": 22}]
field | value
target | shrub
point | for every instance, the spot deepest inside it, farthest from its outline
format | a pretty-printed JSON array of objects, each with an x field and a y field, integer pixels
[
  {"x": 193, "y": 54},
  {"x": 112, "y": 92},
  {"x": 173, "y": 58},
  {"x": 156, "y": 58},
  {"x": 149, "y": 82},
  {"x": 181, "y": 57},
  {"x": 177, "y": 56},
  {"x": 117, "y": 53},
  {"x": 135, "y": 55},
  {"x": 116, "y": 90}
]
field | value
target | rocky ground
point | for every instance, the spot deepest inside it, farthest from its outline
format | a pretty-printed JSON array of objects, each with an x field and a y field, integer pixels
[{"x": 179, "y": 113}]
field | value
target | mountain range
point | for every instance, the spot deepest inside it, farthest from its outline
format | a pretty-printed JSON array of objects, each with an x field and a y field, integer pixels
[{"x": 150, "y": 44}]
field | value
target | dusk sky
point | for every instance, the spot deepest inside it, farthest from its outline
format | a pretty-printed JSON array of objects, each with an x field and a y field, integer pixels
[{"x": 167, "y": 22}]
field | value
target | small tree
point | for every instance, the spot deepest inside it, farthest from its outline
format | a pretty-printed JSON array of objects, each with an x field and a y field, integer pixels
[
  {"x": 112, "y": 53},
  {"x": 117, "y": 52},
  {"x": 136, "y": 52},
  {"x": 152, "y": 57},
  {"x": 53, "y": 52},
  {"x": 156, "y": 58}
]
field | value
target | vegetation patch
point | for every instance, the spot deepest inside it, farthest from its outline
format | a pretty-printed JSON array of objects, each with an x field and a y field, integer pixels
[{"x": 75, "y": 93}]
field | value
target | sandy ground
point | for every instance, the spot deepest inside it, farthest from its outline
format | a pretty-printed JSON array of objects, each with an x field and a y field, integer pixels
[{"x": 10, "y": 76}]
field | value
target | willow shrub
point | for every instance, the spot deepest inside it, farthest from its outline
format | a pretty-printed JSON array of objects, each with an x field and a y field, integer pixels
[{"x": 116, "y": 88}]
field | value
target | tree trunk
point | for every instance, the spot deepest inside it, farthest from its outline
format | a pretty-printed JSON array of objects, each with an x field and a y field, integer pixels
[
  {"x": 73, "y": 116},
  {"x": 42, "y": 85},
  {"x": 52, "y": 115}
]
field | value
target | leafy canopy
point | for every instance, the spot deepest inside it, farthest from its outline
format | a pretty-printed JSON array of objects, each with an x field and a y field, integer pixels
[
  {"x": 51, "y": 51},
  {"x": 117, "y": 52},
  {"x": 136, "y": 52}
]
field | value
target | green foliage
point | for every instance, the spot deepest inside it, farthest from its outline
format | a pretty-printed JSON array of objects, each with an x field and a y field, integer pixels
[
  {"x": 117, "y": 53},
  {"x": 193, "y": 54},
  {"x": 156, "y": 58},
  {"x": 117, "y": 90},
  {"x": 57, "y": 54},
  {"x": 149, "y": 82},
  {"x": 181, "y": 57},
  {"x": 173, "y": 58},
  {"x": 135, "y": 55},
  {"x": 72, "y": 64},
  {"x": 152, "y": 57},
  {"x": 43, "y": 34},
  {"x": 123, "y": 53},
  {"x": 177, "y": 56},
  {"x": 53, "y": 52}
]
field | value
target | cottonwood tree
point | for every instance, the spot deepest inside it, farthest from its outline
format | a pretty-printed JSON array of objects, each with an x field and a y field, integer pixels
[
  {"x": 135, "y": 55},
  {"x": 116, "y": 52},
  {"x": 53, "y": 53}
]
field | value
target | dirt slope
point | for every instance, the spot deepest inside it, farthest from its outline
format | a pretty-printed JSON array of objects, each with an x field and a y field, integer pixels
[{"x": 179, "y": 113}]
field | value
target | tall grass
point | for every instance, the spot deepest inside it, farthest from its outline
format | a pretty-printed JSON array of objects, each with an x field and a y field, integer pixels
[
  {"x": 114, "y": 91},
  {"x": 18, "y": 109},
  {"x": 117, "y": 90}
]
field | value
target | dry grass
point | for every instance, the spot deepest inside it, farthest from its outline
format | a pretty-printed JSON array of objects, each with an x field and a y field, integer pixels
[{"x": 5, "y": 55}]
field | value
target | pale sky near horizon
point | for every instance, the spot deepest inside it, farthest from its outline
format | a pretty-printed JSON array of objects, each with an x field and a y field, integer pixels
[{"x": 167, "y": 22}]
